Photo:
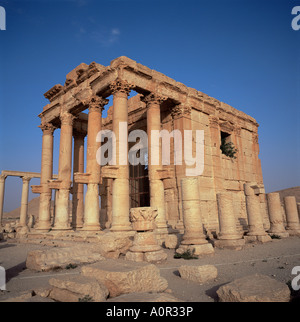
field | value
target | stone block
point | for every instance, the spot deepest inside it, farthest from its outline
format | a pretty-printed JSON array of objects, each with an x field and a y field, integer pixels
[
  {"x": 46, "y": 260},
  {"x": 74, "y": 288},
  {"x": 143, "y": 279},
  {"x": 155, "y": 257},
  {"x": 198, "y": 274},
  {"x": 254, "y": 288},
  {"x": 171, "y": 241}
]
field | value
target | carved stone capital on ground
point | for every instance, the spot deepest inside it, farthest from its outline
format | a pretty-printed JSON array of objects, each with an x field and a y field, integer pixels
[
  {"x": 154, "y": 98},
  {"x": 120, "y": 86},
  {"x": 143, "y": 218}
]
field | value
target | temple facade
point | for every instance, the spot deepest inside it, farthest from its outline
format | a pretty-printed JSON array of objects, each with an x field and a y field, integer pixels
[{"x": 103, "y": 194}]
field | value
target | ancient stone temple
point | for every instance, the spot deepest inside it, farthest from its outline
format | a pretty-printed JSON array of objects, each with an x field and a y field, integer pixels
[{"x": 192, "y": 127}]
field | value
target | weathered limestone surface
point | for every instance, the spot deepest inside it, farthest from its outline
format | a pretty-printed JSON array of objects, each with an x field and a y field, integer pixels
[
  {"x": 276, "y": 216},
  {"x": 193, "y": 237},
  {"x": 228, "y": 236},
  {"x": 143, "y": 279},
  {"x": 74, "y": 288},
  {"x": 255, "y": 221},
  {"x": 254, "y": 288},
  {"x": 292, "y": 217},
  {"x": 198, "y": 274},
  {"x": 43, "y": 261}
]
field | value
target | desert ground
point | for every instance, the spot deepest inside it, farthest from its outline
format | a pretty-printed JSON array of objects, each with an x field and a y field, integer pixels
[{"x": 275, "y": 259}]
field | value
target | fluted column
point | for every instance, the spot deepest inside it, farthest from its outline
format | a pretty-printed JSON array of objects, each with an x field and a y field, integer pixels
[
  {"x": 157, "y": 199},
  {"x": 120, "y": 191},
  {"x": 44, "y": 218},
  {"x": 78, "y": 188},
  {"x": 92, "y": 206},
  {"x": 2, "y": 188},
  {"x": 64, "y": 172},
  {"x": 275, "y": 215},
  {"x": 292, "y": 218},
  {"x": 24, "y": 201}
]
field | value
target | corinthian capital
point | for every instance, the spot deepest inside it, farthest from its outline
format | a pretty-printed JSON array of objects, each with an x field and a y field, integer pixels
[
  {"x": 154, "y": 98},
  {"x": 67, "y": 118},
  {"x": 97, "y": 103},
  {"x": 47, "y": 128},
  {"x": 122, "y": 86}
]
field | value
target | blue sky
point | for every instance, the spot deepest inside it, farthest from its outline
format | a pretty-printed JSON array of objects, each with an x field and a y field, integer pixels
[{"x": 244, "y": 53}]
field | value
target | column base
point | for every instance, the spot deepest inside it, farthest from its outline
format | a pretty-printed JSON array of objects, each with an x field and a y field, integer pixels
[
  {"x": 91, "y": 227},
  {"x": 283, "y": 234},
  {"x": 235, "y": 244},
  {"x": 117, "y": 228},
  {"x": 257, "y": 238},
  {"x": 293, "y": 232},
  {"x": 193, "y": 241},
  {"x": 42, "y": 226},
  {"x": 61, "y": 228}
]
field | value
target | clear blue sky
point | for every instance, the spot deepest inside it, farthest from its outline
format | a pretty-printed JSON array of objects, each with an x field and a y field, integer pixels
[{"x": 244, "y": 53}]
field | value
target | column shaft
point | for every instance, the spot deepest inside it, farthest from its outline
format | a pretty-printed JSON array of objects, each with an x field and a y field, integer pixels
[
  {"x": 92, "y": 205},
  {"x": 292, "y": 217},
  {"x": 78, "y": 188},
  {"x": 24, "y": 201},
  {"x": 44, "y": 218},
  {"x": 2, "y": 188},
  {"x": 193, "y": 227},
  {"x": 120, "y": 198},
  {"x": 64, "y": 173},
  {"x": 227, "y": 219},
  {"x": 157, "y": 198},
  {"x": 275, "y": 215}
]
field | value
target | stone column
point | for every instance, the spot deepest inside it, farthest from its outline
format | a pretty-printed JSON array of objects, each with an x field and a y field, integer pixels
[
  {"x": 292, "y": 217},
  {"x": 44, "y": 219},
  {"x": 120, "y": 191},
  {"x": 181, "y": 116},
  {"x": 24, "y": 201},
  {"x": 256, "y": 230},
  {"x": 275, "y": 215},
  {"x": 2, "y": 188},
  {"x": 157, "y": 198},
  {"x": 228, "y": 236},
  {"x": 193, "y": 237},
  {"x": 61, "y": 221},
  {"x": 78, "y": 188},
  {"x": 92, "y": 206}
]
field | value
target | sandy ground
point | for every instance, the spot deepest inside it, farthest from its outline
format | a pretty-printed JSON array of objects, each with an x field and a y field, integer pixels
[{"x": 275, "y": 259}]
